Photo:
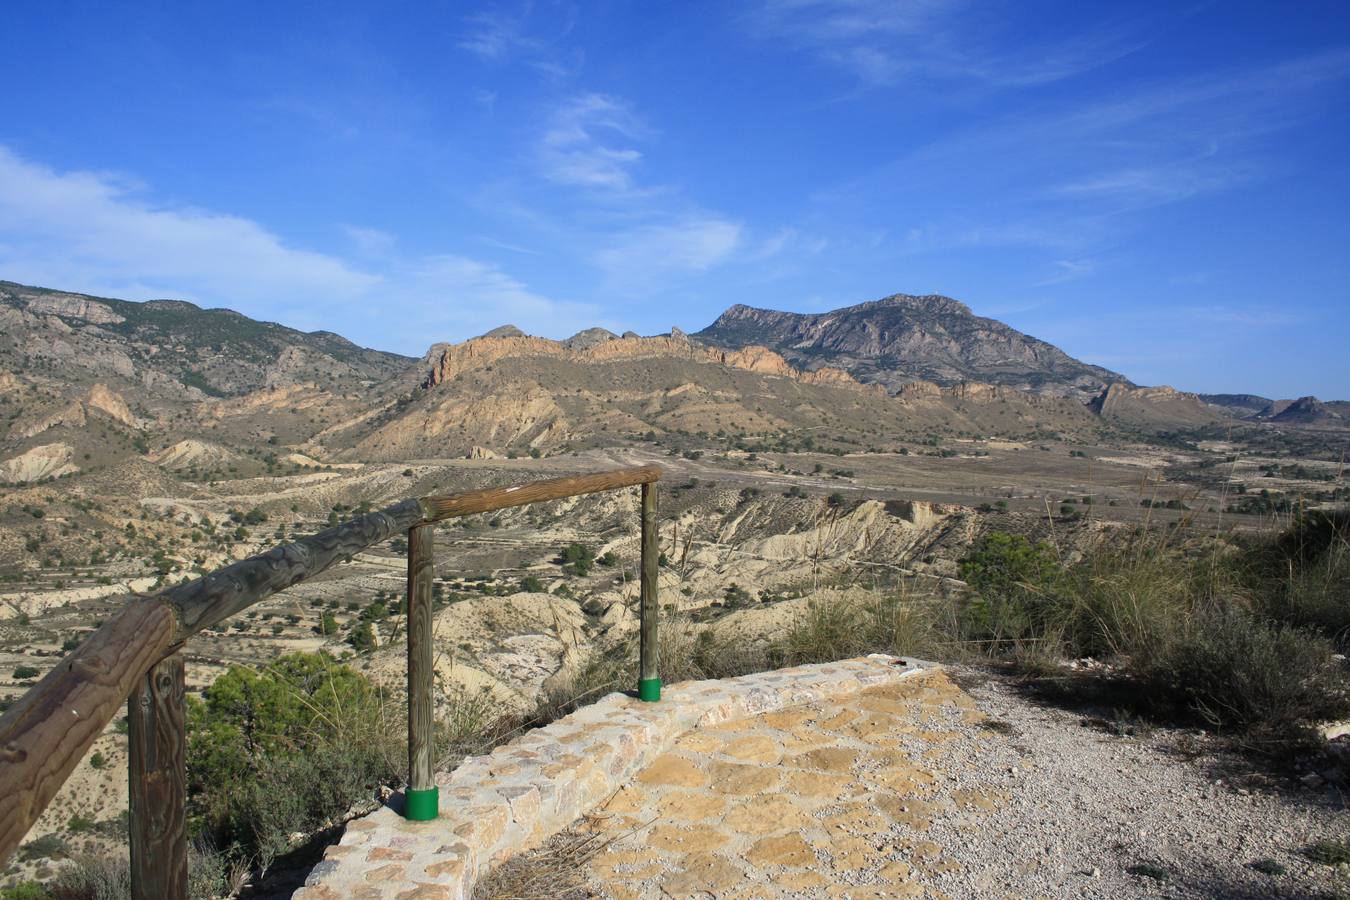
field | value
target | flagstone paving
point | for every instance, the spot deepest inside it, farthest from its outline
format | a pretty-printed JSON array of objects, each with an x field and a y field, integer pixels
[
  {"x": 494, "y": 807},
  {"x": 866, "y": 778},
  {"x": 831, "y": 799}
]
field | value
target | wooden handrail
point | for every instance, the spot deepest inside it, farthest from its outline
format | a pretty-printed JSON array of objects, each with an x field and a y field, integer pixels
[
  {"x": 438, "y": 508},
  {"x": 47, "y": 731},
  {"x": 213, "y": 598}
]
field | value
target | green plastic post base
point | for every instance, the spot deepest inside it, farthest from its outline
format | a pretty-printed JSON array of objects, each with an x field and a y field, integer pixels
[
  {"x": 421, "y": 806},
  {"x": 649, "y": 689}
]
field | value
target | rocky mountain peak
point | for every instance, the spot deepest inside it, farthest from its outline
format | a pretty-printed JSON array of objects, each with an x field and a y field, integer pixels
[
  {"x": 588, "y": 338},
  {"x": 904, "y": 338},
  {"x": 1307, "y": 411},
  {"x": 503, "y": 331}
]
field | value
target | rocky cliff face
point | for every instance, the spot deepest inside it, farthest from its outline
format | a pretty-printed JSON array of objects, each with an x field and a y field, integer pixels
[
  {"x": 1153, "y": 407},
  {"x": 516, "y": 392},
  {"x": 444, "y": 362},
  {"x": 1308, "y": 411},
  {"x": 903, "y": 338}
]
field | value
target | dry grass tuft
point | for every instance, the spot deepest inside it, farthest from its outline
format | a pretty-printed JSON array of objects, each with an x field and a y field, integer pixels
[{"x": 552, "y": 872}]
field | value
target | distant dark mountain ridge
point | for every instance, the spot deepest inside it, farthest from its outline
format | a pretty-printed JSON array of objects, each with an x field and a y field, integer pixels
[
  {"x": 1241, "y": 404},
  {"x": 1302, "y": 411},
  {"x": 905, "y": 338}
]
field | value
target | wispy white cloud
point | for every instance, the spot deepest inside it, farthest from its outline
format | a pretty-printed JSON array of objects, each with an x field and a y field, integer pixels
[
  {"x": 97, "y": 230},
  {"x": 883, "y": 42},
  {"x": 1066, "y": 270},
  {"x": 692, "y": 244},
  {"x": 1071, "y": 177},
  {"x": 506, "y": 245},
  {"x": 588, "y": 143},
  {"x": 786, "y": 240},
  {"x": 370, "y": 241},
  {"x": 531, "y": 34},
  {"x": 1136, "y": 187},
  {"x": 955, "y": 234},
  {"x": 627, "y": 227},
  {"x": 464, "y": 296},
  {"x": 485, "y": 98},
  {"x": 494, "y": 36},
  {"x": 99, "y": 234}
]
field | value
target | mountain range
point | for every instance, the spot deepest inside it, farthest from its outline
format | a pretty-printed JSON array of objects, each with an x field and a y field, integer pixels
[
  {"x": 86, "y": 381},
  {"x": 901, "y": 339}
]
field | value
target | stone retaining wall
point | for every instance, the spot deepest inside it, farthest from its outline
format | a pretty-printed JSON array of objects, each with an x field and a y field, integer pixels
[{"x": 524, "y": 792}]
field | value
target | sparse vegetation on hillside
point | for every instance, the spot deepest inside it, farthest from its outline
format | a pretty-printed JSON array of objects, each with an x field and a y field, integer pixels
[{"x": 1241, "y": 636}]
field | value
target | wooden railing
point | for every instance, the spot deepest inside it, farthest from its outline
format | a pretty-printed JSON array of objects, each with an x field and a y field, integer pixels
[{"x": 136, "y": 656}]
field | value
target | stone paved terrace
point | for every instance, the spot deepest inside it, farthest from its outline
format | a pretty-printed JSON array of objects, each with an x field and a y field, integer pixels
[
  {"x": 864, "y": 779},
  {"x": 497, "y": 806},
  {"x": 828, "y": 799}
]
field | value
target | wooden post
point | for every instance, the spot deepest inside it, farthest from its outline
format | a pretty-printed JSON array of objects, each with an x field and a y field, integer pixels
[
  {"x": 157, "y": 783},
  {"x": 422, "y": 800},
  {"x": 649, "y": 678}
]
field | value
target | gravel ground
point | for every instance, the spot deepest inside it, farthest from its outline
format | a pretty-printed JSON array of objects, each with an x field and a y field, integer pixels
[{"x": 1086, "y": 805}]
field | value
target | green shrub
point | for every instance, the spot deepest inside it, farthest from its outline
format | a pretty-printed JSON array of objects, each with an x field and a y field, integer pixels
[
  {"x": 1149, "y": 870},
  {"x": 1305, "y": 574},
  {"x": 80, "y": 824},
  {"x": 362, "y": 638},
  {"x": 895, "y": 623},
  {"x": 25, "y": 672},
  {"x": 1330, "y": 852},
  {"x": 1018, "y": 591},
  {"x": 1267, "y": 679},
  {"x": 577, "y": 559},
  {"x": 735, "y": 596},
  {"x": 286, "y": 749},
  {"x": 49, "y": 846},
  {"x": 1268, "y": 867}
]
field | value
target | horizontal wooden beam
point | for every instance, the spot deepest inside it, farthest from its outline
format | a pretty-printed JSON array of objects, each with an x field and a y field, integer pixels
[
  {"x": 213, "y": 598},
  {"x": 46, "y": 733},
  {"x": 489, "y": 499}
]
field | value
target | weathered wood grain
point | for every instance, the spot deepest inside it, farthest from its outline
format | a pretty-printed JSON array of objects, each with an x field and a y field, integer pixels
[
  {"x": 648, "y": 659},
  {"x": 213, "y": 598},
  {"x": 421, "y": 672},
  {"x": 438, "y": 508},
  {"x": 157, "y": 782},
  {"x": 47, "y": 732}
]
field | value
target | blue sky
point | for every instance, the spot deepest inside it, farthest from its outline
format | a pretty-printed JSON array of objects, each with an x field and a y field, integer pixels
[{"x": 1161, "y": 189}]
